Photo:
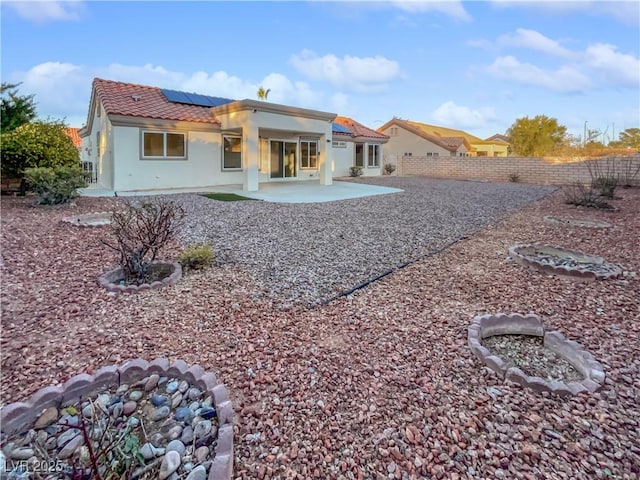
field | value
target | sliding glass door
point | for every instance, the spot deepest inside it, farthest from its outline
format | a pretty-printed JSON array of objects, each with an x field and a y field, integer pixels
[{"x": 283, "y": 159}]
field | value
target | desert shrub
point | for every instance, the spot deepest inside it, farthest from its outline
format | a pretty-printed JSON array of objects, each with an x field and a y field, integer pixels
[
  {"x": 55, "y": 185},
  {"x": 139, "y": 232},
  {"x": 356, "y": 171},
  {"x": 584, "y": 196},
  {"x": 628, "y": 173},
  {"x": 196, "y": 257},
  {"x": 605, "y": 185},
  {"x": 514, "y": 178},
  {"x": 389, "y": 168}
]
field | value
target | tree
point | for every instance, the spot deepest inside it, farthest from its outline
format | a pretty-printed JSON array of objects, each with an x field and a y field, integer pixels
[
  {"x": 262, "y": 93},
  {"x": 537, "y": 136},
  {"x": 37, "y": 144},
  {"x": 16, "y": 109},
  {"x": 629, "y": 138}
]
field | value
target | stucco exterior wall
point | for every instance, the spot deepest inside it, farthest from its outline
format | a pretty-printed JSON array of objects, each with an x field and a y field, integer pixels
[
  {"x": 342, "y": 158},
  {"x": 201, "y": 168},
  {"x": 407, "y": 142}
]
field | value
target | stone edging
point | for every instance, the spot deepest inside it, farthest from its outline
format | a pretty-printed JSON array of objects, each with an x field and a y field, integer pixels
[
  {"x": 77, "y": 220},
  {"x": 516, "y": 324},
  {"x": 576, "y": 222},
  {"x": 574, "y": 272},
  {"x": 107, "y": 279},
  {"x": 15, "y": 416}
]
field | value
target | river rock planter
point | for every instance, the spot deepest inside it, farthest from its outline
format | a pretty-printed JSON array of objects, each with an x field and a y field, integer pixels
[
  {"x": 576, "y": 222},
  {"x": 561, "y": 261},
  {"x": 181, "y": 413},
  {"x": 487, "y": 326},
  {"x": 89, "y": 219},
  {"x": 168, "y": 273}
]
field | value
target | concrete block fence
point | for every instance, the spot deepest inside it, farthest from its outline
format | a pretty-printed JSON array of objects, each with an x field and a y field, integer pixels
[{"x": 534, "y": 170}]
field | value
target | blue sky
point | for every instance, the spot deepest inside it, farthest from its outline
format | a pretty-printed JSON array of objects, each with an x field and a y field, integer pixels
[{"x": 475, "y": 66}]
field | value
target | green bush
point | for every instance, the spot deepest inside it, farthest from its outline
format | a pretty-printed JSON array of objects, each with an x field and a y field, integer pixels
[
  {"x": 356, "y": 171},
  {"x": 389, "y": 168},
  {"x": 55, "y": 185},
  {"x": 196, "y": 257},
  {"x": 37, "y": 144}
]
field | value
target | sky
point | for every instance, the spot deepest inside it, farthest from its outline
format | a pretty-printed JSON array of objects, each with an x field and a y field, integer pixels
[{"x": 475, "y": 66}]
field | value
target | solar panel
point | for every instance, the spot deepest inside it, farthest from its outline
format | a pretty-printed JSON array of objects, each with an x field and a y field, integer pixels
[
  {"x": 340, "y": 129},
  {"x": 176, "y": 96}
]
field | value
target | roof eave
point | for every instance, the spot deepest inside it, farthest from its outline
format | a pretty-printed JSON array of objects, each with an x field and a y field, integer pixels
[{"x": 260, "y": 106}]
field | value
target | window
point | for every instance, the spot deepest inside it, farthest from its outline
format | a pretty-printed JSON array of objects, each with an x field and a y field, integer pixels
[
  {"x": 232, "y": 153},
  {"x": 429, "y": 154},
  {"x": 394, "y": 131},
  {"x": 435, "y": 154},
  {"x": 408, "y": 154},
  {"x": 359, "y": 153},
  {"x": 164, "y": 145},
  {"x": 98, "y": 143},
  {"x": 373, "y": 158},
  {"x": 308, "y": 154}
]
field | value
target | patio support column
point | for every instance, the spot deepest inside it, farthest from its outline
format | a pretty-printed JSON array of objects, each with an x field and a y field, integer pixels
[
  {"x": 326, "y": 161},
  {"x": 250, "y": 155}
]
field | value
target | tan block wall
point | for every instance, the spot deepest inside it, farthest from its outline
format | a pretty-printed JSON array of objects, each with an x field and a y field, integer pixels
[{"x": 529, "y": 169}]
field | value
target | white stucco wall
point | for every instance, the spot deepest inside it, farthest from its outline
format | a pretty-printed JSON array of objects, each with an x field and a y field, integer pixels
[
  {"x": 202, "y": 167},
  {"x": 97, "y": 148},
  {"x": 342, "y": 158}
]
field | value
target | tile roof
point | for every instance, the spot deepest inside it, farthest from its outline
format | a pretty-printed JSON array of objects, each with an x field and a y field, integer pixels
[
  {"x": 74, "y": 135},
  {"x": 444, "y": 131},
  {"x": 358, "y": 129},
  {"x": 131, "y": 100}
]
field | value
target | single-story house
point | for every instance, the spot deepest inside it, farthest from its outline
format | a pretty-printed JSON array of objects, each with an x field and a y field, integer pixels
[
  {"x": 409, "y": 138},
  {"x": 146, "y": 138}
]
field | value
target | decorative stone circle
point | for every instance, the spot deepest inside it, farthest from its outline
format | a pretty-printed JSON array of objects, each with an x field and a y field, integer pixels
[
  {"x": 89, "y": 219},
  {"x": 516, "y": 324},
  {"x": 561, "y": 261},
  {"x": 20, "y": 416},
  {"x": 576, "y": 222},
  {"x": 111, "y": 279}
]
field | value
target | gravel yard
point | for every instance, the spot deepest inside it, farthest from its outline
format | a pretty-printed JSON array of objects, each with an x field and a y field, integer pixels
[
  {"x": 309, "y": 253},
  {"x": 376, "y": 385}
]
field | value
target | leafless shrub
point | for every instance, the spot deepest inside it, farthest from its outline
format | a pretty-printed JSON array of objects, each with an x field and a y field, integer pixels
[
  {"x": 628, "y": 172},
  {"x": 140, "y": 231},
  {"x": 585, "y": 196},
  {"x": 604, "y": 177}
]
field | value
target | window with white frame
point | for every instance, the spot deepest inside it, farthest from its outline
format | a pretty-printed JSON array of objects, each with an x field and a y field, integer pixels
[
  {"x": 164, "y": 145},
  {"x": 232, "y": 153},
  {"x": 373, "y": 156},
  {"x": 308, "y": 154}
]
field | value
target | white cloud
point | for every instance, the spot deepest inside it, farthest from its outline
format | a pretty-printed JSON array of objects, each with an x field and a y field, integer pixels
[
  {"x": 462, "y": 117},
  {"x": 534, "y": 41},
  {"x": 360, "y": 74},
  {"x": 614, "y": 66},
  {"x": 62, "y": 90},
  {"x": 625, "y": 11},
  {"x": 47, "y": 11},
  {"x": 565, "y": 79},
  {"x": 452, "y": 8}
]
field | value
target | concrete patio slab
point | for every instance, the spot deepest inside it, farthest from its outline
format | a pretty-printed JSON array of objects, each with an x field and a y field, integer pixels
[{"x": 277, "y": 192}]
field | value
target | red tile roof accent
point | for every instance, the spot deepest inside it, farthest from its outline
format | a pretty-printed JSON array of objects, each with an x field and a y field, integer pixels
[
  {"x": 358, "y": 129},
  {"x": 74, "y": 135},
  {"x": 131, "y": 100}
]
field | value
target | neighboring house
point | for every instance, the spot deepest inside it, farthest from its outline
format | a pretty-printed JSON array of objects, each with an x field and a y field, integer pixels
[
  {"x": 140, "y": 138},
  {"x": 408, "y": 138},
  {"x": 499, "y": 137}
]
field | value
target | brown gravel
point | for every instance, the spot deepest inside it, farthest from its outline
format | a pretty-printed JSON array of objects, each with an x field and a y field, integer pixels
[{"x": 377, "y": 385}]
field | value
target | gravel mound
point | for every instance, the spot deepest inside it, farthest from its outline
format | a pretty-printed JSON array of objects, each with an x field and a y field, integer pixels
[{"x": 312, "y": 252}]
